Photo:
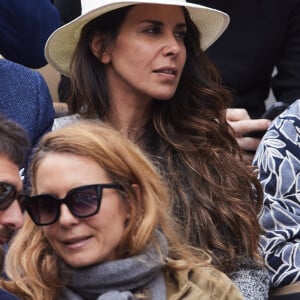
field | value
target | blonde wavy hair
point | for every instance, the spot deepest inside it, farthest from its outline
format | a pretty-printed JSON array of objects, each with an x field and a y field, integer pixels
[{"x": 32, "y": 265}]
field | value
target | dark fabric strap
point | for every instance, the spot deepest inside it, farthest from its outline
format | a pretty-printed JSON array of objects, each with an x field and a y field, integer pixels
[{"x": 285, "y": 290}]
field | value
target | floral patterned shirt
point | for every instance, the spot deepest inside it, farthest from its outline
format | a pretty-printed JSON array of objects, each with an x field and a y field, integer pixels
[{"x": 278, "y": 162}]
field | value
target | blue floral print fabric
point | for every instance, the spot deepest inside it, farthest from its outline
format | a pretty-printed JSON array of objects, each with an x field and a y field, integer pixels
[{"x": 278, "y": 162}]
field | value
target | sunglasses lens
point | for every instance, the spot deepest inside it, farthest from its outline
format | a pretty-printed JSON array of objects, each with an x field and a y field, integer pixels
[
  {"x": 84, "y": 202},
  {"x": 7, "y": 195},
  {"x": 43, "y": 209}
]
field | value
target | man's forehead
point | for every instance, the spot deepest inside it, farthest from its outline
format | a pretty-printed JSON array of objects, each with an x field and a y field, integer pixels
[{"x": 9, "y": 172}]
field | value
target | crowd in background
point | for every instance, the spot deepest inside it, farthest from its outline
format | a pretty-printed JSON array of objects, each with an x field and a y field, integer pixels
[{"x": 169, "y": 169}]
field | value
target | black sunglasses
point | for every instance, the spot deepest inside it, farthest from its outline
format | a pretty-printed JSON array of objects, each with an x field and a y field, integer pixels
[
  {"x": 83, "y": 201},
  {"x": 8, "y": 194}
]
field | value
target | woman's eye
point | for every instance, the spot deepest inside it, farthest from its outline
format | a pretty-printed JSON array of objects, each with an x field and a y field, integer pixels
[
  {"x": 180, "y": 35},
  {"x": 153, "y": 30}
]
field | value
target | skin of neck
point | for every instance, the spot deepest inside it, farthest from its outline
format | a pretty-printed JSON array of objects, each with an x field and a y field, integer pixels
[{"x": 130, "y": 116}]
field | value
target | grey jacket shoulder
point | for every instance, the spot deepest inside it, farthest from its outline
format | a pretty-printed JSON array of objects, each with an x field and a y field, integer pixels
[
  {"x": 65, "y": 121},
  {"x": 252, "y": 280}
]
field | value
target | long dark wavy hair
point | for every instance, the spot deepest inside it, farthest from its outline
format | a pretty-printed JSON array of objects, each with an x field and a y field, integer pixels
[{"x": 216, "y": 196}]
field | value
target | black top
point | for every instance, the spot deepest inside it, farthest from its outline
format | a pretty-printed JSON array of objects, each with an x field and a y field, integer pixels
[
  {"x": 68, "y": 9},
  {"x": 262, "y": 34}
]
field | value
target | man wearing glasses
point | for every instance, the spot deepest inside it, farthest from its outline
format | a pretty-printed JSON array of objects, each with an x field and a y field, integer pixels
[{"x": 14, "y": 145}]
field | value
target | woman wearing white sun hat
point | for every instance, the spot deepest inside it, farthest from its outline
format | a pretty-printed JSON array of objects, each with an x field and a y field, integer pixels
[{"x": 140, "y": 66}]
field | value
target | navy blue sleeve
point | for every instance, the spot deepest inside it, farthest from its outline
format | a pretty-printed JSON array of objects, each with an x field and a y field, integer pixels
[
  {"x": 6, "y": 296},
  {"x": 24, "y": 29},
  {"x": 25, "y": 98}
]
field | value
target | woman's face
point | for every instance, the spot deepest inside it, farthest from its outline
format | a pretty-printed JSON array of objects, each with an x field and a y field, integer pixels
[
  {"x": 148, "y": 56},
  {"x": 81, "y": 242}
]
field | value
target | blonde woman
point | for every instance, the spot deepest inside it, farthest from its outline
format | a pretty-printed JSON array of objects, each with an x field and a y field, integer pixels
[{"x": 99, "y": 227}]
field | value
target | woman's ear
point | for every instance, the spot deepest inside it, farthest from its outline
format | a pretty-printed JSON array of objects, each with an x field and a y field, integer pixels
[
  {"x": 96, "y": 45},
  {"x": 137, "y": 192}
]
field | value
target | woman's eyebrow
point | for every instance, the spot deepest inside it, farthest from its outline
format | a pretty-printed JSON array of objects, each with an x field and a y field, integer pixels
[
  {"x": 157, "y": 23},
  {"x": 160, "y": 23},
  {"x": 181, "y": 25}
]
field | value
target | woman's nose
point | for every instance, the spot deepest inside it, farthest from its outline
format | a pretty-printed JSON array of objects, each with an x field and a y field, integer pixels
[
  {"x": 66, "y": 217},
  {"x": 172, "y": 46}
]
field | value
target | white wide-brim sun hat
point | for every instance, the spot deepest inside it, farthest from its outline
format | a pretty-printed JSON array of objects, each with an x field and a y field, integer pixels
[{"x": 62, "y": 43}]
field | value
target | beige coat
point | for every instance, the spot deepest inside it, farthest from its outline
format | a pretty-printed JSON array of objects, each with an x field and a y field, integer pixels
[{"x": 205, "y": 283}]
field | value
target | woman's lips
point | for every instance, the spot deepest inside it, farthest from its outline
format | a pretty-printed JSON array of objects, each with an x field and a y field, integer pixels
[{"x": 76, "y": 242}]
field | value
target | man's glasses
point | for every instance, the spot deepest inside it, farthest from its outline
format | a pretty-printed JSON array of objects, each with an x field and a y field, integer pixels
[
  {"x": 8, "y": 194},
  {"x": 82, "y": 202}
]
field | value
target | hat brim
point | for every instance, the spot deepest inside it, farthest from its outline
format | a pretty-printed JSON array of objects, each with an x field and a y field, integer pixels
[{"x": 62, "y": 43}]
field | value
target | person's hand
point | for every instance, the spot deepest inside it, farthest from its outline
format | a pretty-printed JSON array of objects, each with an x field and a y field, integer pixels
[{"x": 242, "y": 124}]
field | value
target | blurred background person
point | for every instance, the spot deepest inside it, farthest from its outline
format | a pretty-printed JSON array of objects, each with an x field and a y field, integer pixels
[
  {"x": 24, "y": 29},
  {"x": 263, "y": 35},
  {"x": 14, "y": 145},
  {"x": 25, "y": 98}
]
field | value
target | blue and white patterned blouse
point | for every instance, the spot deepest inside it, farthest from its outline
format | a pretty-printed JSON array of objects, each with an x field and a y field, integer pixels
[{"x": 278, "y": 162}]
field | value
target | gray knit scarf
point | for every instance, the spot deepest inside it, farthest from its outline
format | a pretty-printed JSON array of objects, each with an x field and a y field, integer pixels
[{"x": 118, "y": 280}]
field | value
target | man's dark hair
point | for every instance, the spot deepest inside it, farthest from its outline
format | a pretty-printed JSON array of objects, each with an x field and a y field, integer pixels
[{"x": 14, "y": 142}]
